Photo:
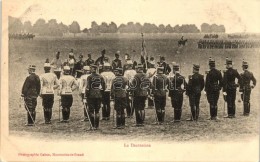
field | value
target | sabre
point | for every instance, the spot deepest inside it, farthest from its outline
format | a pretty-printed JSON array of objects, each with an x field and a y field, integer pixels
[
  {"x": 156, "y": 118},
  {"x": 27, "y": 109},
  {"x": 88, "y": 116},
  {"x": 59, "y": 108}
]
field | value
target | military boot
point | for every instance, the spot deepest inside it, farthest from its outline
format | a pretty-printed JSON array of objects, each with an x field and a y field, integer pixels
[
  {"x": 122, "y": 121},
  {"x": 96, "y": 126}
]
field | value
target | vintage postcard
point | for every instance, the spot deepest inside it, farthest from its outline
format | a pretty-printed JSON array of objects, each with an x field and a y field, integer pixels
[{"x": 130, "y": 80}]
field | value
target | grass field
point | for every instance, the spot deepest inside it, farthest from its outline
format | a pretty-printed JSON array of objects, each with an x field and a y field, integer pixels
[{"x": 23, "y": 53}]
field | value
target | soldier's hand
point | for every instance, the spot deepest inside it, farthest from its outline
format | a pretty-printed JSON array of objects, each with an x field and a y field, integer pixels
[
  {"x": 224, "y": 93},
  {"x": 205, "y": 93},
  {"x": 252, "y": 86},
  {"x": 84, "y": 100}
]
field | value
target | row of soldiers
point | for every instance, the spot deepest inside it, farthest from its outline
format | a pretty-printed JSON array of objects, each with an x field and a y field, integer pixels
[
  {"x": 131, "y": 88},
  {"x": 221, "y": 44},
  {"x": 20, "y": 36}
]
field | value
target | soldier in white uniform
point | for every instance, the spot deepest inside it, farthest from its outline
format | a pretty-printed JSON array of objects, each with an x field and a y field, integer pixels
[
  {"x": 67, "y": 85},
  {"x": 129, "y": 75},
  {"x": 108, "y": 76},
  {"x": 82, "y": 88},
  {"x": 49, "y": 82}
]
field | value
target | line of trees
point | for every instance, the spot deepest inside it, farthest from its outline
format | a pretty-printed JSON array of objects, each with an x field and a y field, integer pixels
[{"x": 53, "y": 28}]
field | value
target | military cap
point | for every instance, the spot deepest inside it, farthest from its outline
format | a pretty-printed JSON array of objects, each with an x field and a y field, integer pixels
[
  {"x": 47, "y": 64},
  {"x": 228, "y": 61},
  {"x": 89, "y": 54},
  {"x": 211, "y": 61},
  {"x": 118, "y": 70},
  {"x": 176, "y": 66},
  {"x": 196, "y": 67},
  {"x": 140, "y": 66},
  {"x": 162, "y": 58},
  {"x": 86, "y": 68},
  {"x": 93, "y": 66},
  {"x": 81, "y": 56},
  {"x": 244, "y": 63},
  {"x": 32, "y": 67},
  {"x": 66, "y": 68},
  {"x": 117, "y": 53},
  {"x": 103, "y": 51}
]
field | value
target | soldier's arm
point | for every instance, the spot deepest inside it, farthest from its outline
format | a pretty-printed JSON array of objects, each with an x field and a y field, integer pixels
[
  {"x": 202, "y": 83},
  {"x": 56, "y": 83},
  {"x": 38, "y": 85},
  {"x": 26, "y": 86},
  {"x": 253, "y": 79},
  {"x": 207, "y": 83},
  {"x": 240, "y": 80}
]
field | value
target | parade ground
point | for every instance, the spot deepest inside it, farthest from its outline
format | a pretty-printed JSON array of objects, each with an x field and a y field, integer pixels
[{"x": 25, "y": 52}]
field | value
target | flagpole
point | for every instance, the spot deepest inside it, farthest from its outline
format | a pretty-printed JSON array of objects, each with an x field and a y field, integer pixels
[{"x": 144, "y": 50}]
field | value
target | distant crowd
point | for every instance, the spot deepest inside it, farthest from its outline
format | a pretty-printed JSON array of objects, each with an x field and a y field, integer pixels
[
  {"x": 21, "y": 36},
  {"x": 228, "y": 44}
]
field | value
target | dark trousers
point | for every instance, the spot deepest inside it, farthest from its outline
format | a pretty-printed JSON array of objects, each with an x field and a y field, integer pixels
[
  {"x": 129, "y": 107},
  {"x": 160, "y": 102},
  {"x": 94, "y": 105},
  {"x": 66, "y": 103},
  {"x": 212, "y": 98},
  {"x": 47, "y": 103},
  {"x": 30, "y": 105},
  {"x": 194, "y": 100},
  {"x": 177, "y": 101},
  {"x": 231, "y": 98},
  {"x": 139, "y": 105},
  {"x": 106, "y": 105},
  {"x": 120, "y": 105},
  {"x": 245, "y": 96}
]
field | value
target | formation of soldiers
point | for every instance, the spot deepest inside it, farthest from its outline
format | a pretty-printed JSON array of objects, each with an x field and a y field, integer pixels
[
  {"x": 21, "y": 36},
  {"x": 228, "y": 44},
  {"x": 128, "y": 87},
  {"x": 211, "y": 36}
]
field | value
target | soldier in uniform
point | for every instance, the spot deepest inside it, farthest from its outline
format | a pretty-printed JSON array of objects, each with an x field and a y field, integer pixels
[
  {"x": 71, "y": 63},
  {"x": 94, "y": 93},
  {"x": 82, "y": 89},
  {"x": 194, "y": 88},
  {"x": 67, "y": 85},
  {"x": 117, "y": 62},
  {"x": 49, "y": 82},
  {"x": 129, "y": 74},
  {"x": 213, "y": 85},
  {"x": 159, "y": 88},
  {"x": 57, "y": 65},
  {"x": 100, "y": 61},
  {"x": 79, "y": 66},
  {"x": 177, "y": 86},
  {"x": 229, "y": 88},
  {"x": 89, "y": 61},
  {"x": 30, "y": 91},
  {"x": 140, "y": 89},
  {"x": 150, "y": 73},
  {"x": 108, "y": 76},
  {"x": 245, "y": 87},
  {"x": 166, "y": 67},
  {"x": 119, "y": 94}
]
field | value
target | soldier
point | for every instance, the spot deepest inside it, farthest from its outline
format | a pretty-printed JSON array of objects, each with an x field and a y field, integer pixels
[
  {"x": 213, "y": 85},
  {"x": 30, "y": 92},
  {"x": 194, "y": 88},
  {"x": 159, "y": 88},
  {"x": 94, "y": 93},
  {"x": 57, "y": 65},
  {"x": 117, "y": 62},
  {"x": 140, "y": 88},
  {"x": 67, "y": 85},
  {"x": 89, "y": 61},
  {"x": 100, "y": 61},
  {"x": 150, "y": 73},
  {"x": 118, "y": 93},
  {"x": 129, "y": 75},
  {"x": 108, "y": 76},
  {"x": 229, "y": 88},
  {"x": 166, "y": 67},
  {"x": 82, "y": 89},
  {"x": 245, "y": 87},
  {"x": 49, "y": 82},
  {"x": 71, "y": 63},
  {"x": 79, "y": 66},
  {"x": 177, "y": 86}
]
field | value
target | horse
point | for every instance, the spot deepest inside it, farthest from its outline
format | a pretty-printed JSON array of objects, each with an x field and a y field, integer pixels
[{"x": 182, "y": 42}]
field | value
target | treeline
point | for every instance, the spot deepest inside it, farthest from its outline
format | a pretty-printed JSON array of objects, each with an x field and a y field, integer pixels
[{"x": 53, "y": 28}]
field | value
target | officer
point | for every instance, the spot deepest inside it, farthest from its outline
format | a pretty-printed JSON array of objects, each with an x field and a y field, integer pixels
[
  {"x": 129, "y": 74},
  {"x": 229, "y": 87},
  {"x": 89, "y": 61},
  {"x": 30, "y": 91},
  {"x": 67, "y": 85},
  {"x": 94, "y": 93},
  {"x": 100, "y": 61},
  {"x": 56, "y": 64},
  {"x": 213, "y": 85},
  {"x": 166, "y": 67},
  {"x": 177, "y": 86},
  {"x": 79, "y": 66},
  {"x": 82, "y": 89},
  {"x": 49, "y": 82},
  {"x": 119, "y": 94},
  {"x": 117, "y": 63},
  {"x": 159, "y": 88},
  {"x": 194, "y": 88},
  {"x": 108, "y": 76},
  {"x": 246, "y": 87},
  {"x": 150, "y": 73},
  {"x": 140, "y": 89}
]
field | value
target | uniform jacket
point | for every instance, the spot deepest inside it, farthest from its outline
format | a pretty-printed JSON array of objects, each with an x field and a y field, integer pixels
[
  {"x": 166, "y": 67},
  {"x": 118, "y": 88},
  {"x": 117, "y": 63},
  {"x": 140, "y": 85},
  {"x": 150, "y": 73},
  {"x": 246, "y": 78},
  {"x": 95, "y": 86},
  {"x": 56, "y": 64},
  {"x": 108, "y": 78},
  {"x": 67, "y": 84},
  {"x": 159, "y": 85},
  {"x": 229, "y": 79},
  {"x": 195, "y": 84},
  {"x": 89, "y": 62},
  {"x": 213, "y": 81},
  {"x": 32, "y": 86},
  {"x": 48, "y": 80},
  {"x": 175, "y": 84}
]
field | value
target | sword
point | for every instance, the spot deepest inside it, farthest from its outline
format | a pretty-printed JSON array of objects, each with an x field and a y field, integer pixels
[
  {"x": 156, "y": 118},
  {"x": 88, "y": 116},
  {"x": 27, "y": 109}
]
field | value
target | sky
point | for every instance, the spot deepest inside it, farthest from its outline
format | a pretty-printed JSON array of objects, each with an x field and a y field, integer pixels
[{"x": 236, "y": 15}]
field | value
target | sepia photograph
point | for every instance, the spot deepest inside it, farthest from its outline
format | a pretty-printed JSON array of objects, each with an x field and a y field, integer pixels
[{"x": 132, "y": 80}]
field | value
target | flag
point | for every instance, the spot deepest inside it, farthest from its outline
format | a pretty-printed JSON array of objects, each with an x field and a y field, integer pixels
[{"x": 144, "y": 54}]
